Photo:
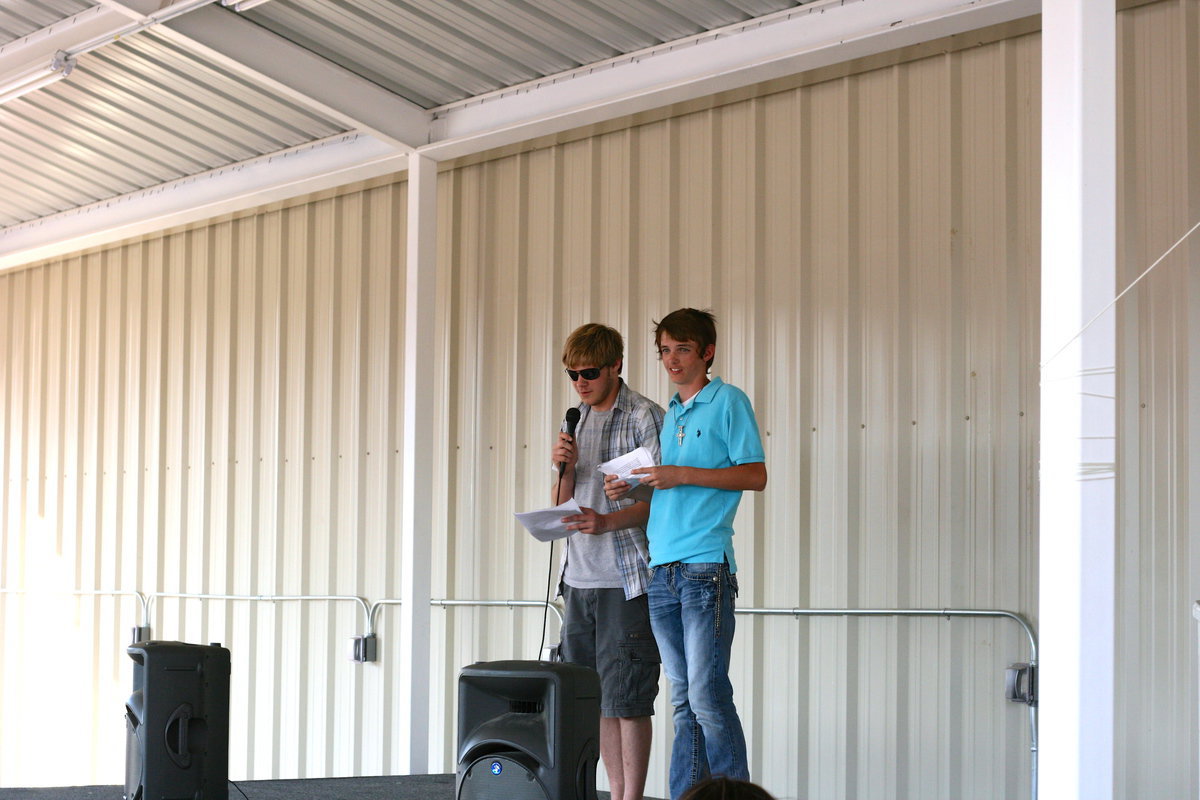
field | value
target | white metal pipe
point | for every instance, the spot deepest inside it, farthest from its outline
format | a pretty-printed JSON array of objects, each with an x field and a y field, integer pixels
[
  {"x": 141, "y": 598},
  {"x": 272, "y": 598},
  {"x": 504, "y": 604},
  {"x": 903, "y": 612},
  {"x": 371, "y": 610},
  {"x": 1030, "y": 635},
  {"x": 934, "y": 612}
]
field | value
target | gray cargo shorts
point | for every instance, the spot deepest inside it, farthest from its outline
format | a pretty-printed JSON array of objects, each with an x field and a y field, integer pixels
[{"x": 604, "y": 631}]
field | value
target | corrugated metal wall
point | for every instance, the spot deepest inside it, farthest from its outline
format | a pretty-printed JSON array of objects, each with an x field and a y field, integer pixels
[
  {"x": 217, "y": 410},
  {"x": 1158, "y": 557},
  {"x": 869, "y": 246},
  {"x": 205, "y": 412}
]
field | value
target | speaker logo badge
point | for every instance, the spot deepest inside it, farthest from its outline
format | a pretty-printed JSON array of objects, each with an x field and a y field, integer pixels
[{"x": 497, "y": 768}]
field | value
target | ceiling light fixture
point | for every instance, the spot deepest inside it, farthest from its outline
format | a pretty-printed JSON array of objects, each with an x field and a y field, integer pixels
[
  {"x": 242, "y": 5},
  {"x": 59, "y": 68}
]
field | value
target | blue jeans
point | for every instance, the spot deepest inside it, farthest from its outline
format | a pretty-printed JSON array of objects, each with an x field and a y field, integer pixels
[{"x": 691, "y": 612}]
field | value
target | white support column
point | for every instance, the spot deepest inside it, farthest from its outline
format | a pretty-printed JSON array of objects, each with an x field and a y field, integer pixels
[
  {"x": 415, "y": 535},
  {"x": 1078, "y": 415}
]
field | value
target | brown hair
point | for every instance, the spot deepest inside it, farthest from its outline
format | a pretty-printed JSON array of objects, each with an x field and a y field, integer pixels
[
  {"x": 598, "y": 345},
  {"x": 689, "y": 325},
  {"x": 722, "y": 788}
]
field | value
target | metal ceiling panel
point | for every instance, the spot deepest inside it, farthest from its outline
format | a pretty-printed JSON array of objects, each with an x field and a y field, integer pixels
[
  {"x": 20, "y": 18},
  {"x": 134, "y": 115},
  {"x": 168, "y": 92},
  {"x": 435, "y": 52}
]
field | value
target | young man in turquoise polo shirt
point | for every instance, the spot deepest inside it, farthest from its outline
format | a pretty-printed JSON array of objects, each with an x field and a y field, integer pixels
[{"x": 711, "y": 453}]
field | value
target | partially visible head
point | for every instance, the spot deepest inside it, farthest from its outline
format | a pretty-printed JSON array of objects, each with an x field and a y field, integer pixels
[
  {"x": 596, "y": 351},
  {"x": 690, "y": 325},
  {"x": 722, "y": 788}
]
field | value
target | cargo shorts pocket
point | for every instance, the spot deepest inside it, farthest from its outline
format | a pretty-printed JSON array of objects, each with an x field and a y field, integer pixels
[{"x": 640, "y": 667}]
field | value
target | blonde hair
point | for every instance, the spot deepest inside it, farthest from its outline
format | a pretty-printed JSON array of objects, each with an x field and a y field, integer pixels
[{"x": 594, "y": 344}]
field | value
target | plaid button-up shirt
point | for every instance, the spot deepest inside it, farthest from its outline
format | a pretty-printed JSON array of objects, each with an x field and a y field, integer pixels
[{"x": 635, "y": 421}]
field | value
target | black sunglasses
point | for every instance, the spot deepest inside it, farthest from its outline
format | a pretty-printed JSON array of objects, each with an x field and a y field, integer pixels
[{"x": 589, "y": 374}]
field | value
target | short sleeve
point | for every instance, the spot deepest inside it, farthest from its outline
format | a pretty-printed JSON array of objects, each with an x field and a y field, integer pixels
[{"x": 745, "y": 444}]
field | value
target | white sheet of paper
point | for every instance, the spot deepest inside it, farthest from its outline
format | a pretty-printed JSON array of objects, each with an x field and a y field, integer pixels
[
  {"x": 623, "y": 466},
  {"x": 545, "y": 524}
]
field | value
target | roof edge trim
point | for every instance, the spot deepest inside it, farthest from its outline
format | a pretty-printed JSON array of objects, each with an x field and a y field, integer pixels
[{"x": 308, "y": 168}]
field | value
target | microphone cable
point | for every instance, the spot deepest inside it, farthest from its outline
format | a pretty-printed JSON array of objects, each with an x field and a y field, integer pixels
[
  {"x": 570, "y": 420},
  {"x": 549, "y": 575}
]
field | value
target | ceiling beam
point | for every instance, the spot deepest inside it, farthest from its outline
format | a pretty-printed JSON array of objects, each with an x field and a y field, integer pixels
[
  {"x": 138, "y": 10},
  {"x": 48, "y": 54},
  {"x": 812, "y": 36},
  {"x": 71, "y": 35},
  {"x": 309, "y": 168},
  {"x": 90, "y": 30},
  {"x": 238, "y": 45}
]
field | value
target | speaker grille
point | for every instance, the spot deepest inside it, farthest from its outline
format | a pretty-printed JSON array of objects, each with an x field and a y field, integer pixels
[
  {"x": 499, "y": 777},
  {"x": 527, "y": 730}
]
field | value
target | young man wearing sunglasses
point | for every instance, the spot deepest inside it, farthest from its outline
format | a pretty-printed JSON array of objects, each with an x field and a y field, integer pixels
[
  {"x": 711, "y": 453},
  {"x": 604, "y": 578}
]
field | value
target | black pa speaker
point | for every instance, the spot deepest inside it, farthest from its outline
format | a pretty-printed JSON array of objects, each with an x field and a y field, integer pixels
[
  {"x": 527, "y": 730},
  {"x": 177, "y": 722}
]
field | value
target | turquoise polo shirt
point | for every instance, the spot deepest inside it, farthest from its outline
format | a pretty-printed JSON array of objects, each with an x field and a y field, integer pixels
[{"x": 694, "y": 524}]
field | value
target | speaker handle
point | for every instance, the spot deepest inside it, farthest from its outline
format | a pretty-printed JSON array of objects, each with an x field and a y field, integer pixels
[{"x": 177, "y": 745}]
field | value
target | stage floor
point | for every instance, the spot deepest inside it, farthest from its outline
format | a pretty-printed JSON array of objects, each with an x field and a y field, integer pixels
[{"x": 391, "y": 787}]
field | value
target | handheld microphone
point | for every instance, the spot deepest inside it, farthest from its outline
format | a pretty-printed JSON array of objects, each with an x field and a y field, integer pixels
[{"x": 572, "y": 419}]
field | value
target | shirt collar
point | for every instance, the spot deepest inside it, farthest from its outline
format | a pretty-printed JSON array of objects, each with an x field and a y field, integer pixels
[{"x": 705, "y": 395}]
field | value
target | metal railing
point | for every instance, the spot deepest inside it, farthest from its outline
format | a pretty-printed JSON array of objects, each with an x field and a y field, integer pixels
[
  {"x": 365, "y": 646},
  {"x": 503, "y": 604},
  {"x": 934, "y": 612},
  {"x": 143, "y": 602},
  {"x": 267, "y": 598},
  {"x": 947, "y": 613},
  {"x": 902, "y": 612}
]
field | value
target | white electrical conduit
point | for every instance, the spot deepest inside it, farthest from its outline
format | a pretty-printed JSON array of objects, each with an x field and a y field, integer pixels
[
  {"x": 852, "y": 612},
  {"x": 270, "y": 598},
  {"x": 371, "y": 610}
]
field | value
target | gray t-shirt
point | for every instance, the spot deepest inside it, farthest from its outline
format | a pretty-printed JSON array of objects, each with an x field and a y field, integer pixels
[{"x": 590, "y": 561}]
